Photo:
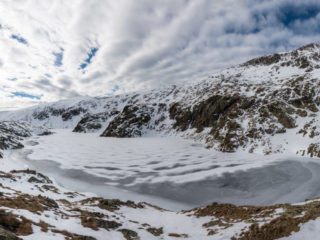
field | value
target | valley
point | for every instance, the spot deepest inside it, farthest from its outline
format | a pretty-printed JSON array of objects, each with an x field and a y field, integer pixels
[{"x": 234, "y": 156}]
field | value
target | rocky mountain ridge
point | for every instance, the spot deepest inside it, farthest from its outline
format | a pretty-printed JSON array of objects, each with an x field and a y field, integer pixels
[{"x": 269, "y": 104}]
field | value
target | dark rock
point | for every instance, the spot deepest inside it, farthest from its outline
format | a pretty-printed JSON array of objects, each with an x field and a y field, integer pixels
[
  {"x": 45, "y": 133},
  {"x": 115, "y": 204},
  {"x": 208, "y": 112},
  {"x": 130, "y": 122},
  {"x": 279, "y": 110},
  {"x": 314, "y": 150},
  {"x": 34, "y": 180},
  {"x": 45, "y": 178},
  {"x": 41, "y": 115},
  {"x": 70, "y": 113},
  {"x": 6, "y": 235},
  {"x": 302, "y": 113},
  {"x": 155, "y": 231},
  {"x": 93, "y": 121},
  {"x": 265, "y": 60},
  {"x": 48, "y": 202},
  {"x": 108, "y": 224},
  {"x": 81, "y": 237},
  {"x": 217, "y": 112},
  {"x": 129, "y": 234}
]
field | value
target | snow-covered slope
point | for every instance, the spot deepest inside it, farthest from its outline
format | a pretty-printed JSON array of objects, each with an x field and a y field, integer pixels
[
  {"x": 268, "y": 105},
  {"x": 12, "y": 133},
  {"x": 33, "y": 207}
]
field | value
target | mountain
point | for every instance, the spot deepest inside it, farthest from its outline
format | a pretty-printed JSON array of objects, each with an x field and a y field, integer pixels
[{"x": 267, "y": 105}]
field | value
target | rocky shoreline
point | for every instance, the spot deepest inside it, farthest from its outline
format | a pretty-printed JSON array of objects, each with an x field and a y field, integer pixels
[{"x": 42, "y": 210}]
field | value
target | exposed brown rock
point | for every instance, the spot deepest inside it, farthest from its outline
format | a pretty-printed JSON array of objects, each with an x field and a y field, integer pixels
[
  {"x": 176, "y": 235},
  {"x": 72, "y": 236},
  {"x": 7, "y": 235},
  {"x": 265, "y": 60},
  {"x": 11, "y": 223},
  {"x": 95, "y": 221},
  {"x": 31, "y": 203},
  {"x": 229, "y": 211},
  {"x": 314, "y": 150},
  {"x": 290, "y": 221},
  {"x": 129, "y": 234},
  {"x": 155, "y": 231},
  {"x": 110, "y": 204},
  {"x": 282, "y": 112}
]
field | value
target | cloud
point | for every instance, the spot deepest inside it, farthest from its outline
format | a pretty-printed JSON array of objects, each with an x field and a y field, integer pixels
[
  {"x": 59, "y": 49},
  {"x": 65, "y": 81}
]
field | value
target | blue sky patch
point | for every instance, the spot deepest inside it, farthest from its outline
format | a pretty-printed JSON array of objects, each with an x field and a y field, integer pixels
[
  {"x": 292, "y": 15},
  {"x": 288, "y": 14},
  {"x": 116, "y": 88},
  {"x": 113, "y": 91},
  {"x": 59, "y": 58},
  {"x": 25, "y": 95},
  {"x": 19, "y": 39},
  {"x": 91, "y": 54}
]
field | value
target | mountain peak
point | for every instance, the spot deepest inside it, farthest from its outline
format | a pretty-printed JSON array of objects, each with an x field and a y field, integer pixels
[
  {"x": 305, "y": 57},
  {"x": 310, "y": 46}
]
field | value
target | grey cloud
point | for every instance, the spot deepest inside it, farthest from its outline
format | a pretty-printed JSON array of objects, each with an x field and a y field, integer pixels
[
  {"x": 92, "y": 77},
  {"x": 65, "y": 81},
  {"x": 47, "y": 87}
]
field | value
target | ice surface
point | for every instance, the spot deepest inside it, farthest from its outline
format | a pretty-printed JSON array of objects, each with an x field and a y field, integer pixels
[
  {"x": 129, "y": 161},
  {"x": 171, "y": 172}
]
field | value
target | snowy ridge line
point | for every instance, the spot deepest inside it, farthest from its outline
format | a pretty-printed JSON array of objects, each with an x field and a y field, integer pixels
[{"x": 266, "y": 105}]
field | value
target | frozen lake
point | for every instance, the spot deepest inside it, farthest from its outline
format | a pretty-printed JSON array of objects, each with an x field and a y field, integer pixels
[{"x": 170, "y": 172}]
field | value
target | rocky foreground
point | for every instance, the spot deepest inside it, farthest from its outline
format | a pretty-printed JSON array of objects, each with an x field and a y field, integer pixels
[{"x": 33, "y": 207}]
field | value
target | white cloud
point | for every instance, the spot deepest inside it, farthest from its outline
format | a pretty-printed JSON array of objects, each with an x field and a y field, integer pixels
[{"x": 141, "y": 44}]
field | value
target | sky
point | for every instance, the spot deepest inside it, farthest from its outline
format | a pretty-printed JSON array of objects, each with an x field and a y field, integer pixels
[{"x": 57, "y": 49}]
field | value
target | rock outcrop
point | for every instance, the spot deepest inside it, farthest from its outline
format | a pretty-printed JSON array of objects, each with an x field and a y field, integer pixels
[{"x": 130, "y": 122}]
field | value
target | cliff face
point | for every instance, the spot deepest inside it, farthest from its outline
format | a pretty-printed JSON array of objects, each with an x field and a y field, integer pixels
[{"x": 268, "y": 104}]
